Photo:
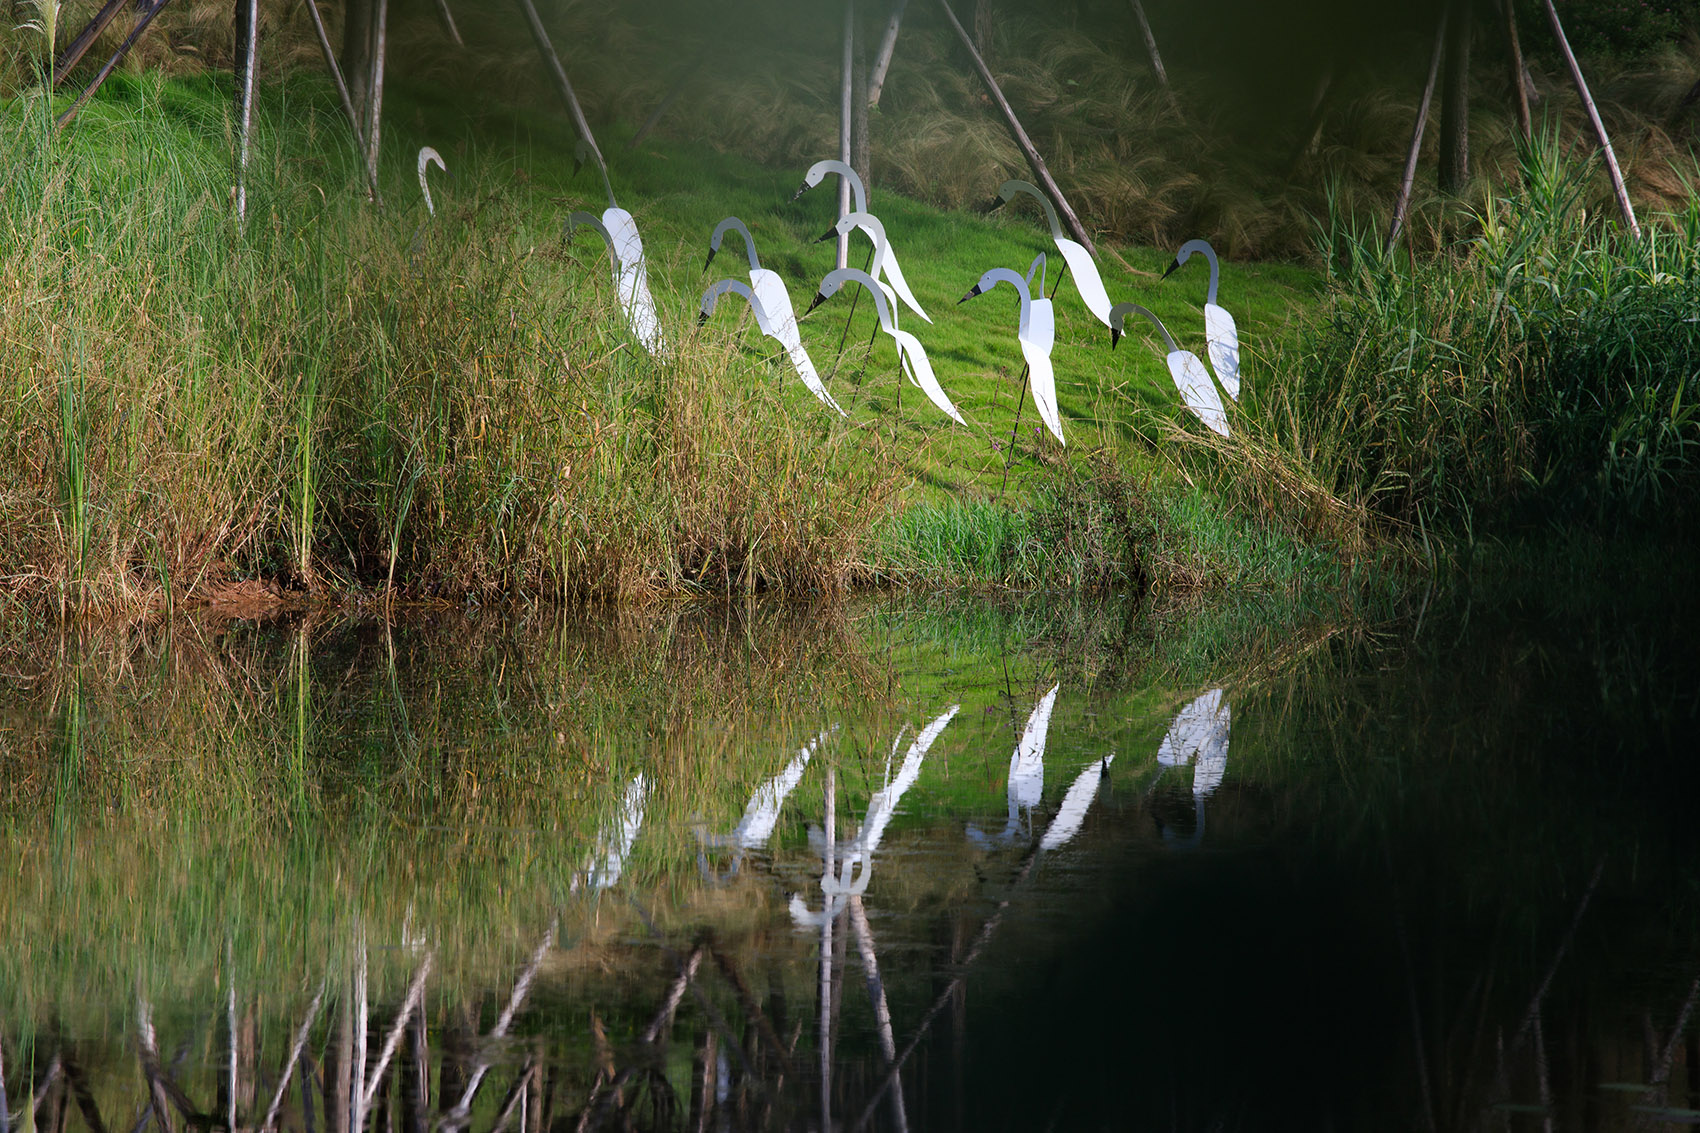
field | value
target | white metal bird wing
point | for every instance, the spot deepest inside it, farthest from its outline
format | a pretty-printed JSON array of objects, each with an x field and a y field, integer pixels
[
  {"x": 1222, "y": 340},
  {"x": 632, "y": 280},
  {"x": 1197, "y": 390},
  {"x": 921, "y": 373},
  {"x": 775, "y": 298},
  {"x": 1037, "y": 340}
]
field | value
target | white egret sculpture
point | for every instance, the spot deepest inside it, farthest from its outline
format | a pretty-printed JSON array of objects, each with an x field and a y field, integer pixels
[
  {"x": 771, "y": 301},
  {"x": 1026, "y": 768},
  {"x": 631, "y": 275},
  {"x": 1072, "y": 813},
  {"x": 616, "y": 841},
  {"x": 909, "y": 349},
  {"x": 841, "y": 882},
  {"x": 1087, "y": 281},
  {"x": 764, "y": 320},
  {"x": 884, "y": 263},
  {"x": 1221, "y": 336},
  {"x": 1191, "y": 378},
  {"x": 429, "y": 157},
  {"x": 1037, "y": 332}
]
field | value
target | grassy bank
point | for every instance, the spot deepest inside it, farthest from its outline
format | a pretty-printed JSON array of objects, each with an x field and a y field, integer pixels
[{"x": 341, "y": 397}]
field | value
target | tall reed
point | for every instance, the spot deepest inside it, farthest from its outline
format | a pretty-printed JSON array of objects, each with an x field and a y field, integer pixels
[{"x": 1551, "y": 360}]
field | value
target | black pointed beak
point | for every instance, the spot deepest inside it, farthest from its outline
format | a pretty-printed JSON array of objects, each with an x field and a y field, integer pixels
[
  {"x": 803, "y": 188},
  {"x": 819, "y": 299},
  {"x": 829, "y": 234},
  {"x": 578, "y": 164},
  {"x": 1115, "y": 337},
  {"x": 710, "y": 258},
  {"x": 702, "y": 317},
  {"x": 973, "y": 292},
  {"x": 1172, "y": 269},
  {"x": 995, "y": 204}
]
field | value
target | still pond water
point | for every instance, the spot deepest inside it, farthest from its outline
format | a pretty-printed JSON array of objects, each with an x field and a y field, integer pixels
[{"x": 956, "y": 864}]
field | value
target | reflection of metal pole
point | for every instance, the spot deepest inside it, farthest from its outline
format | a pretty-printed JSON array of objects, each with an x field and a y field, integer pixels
[
  {"x": 357, "y": 1080},
  {"x": 457, "y": 1117},
  {"x": 415, "y": 996},
  {"x": 944, "y": 997},
  {"x": 288, "y": 1067},
  {"x": 5, "y": 1113},
  {"x": 876, "y": 995},
  {"x": 826, "y": 947}
]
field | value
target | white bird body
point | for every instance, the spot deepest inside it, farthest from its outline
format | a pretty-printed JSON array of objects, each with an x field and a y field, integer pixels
[
  {"x": 1221, "y": 335},
  {"x": 427, "y": 158},
  {"x": 617, "y": 840},
  {"x": 1036, "y": 344},
  {"x": 909, "y": 348},
  {"x": 631, "y": 274},
  {"x": 1200, "y": 731},
  {"x": 1080, "y": 263},
  {"x": 1185, "y": 367},
  {"x": 1222, "y": 340},
  {"x": 774, "y": 313},
  {"x": 1037, "y": 332},
  {"x": 1072, "y": 813},
  {"x": 1197, "y": 390}
]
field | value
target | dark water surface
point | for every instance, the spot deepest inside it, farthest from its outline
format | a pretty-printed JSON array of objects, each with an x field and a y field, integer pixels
[{"x": 1090, "y": 868}]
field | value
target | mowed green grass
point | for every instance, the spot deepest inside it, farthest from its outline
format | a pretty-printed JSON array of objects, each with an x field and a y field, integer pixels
[{"x": 677, "y": 193}]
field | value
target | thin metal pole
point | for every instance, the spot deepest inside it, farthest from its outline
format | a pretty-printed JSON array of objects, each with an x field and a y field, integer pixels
[
  {"x": 1404, "y": 201},
  {"x": 846, "y": 109},
  {"x": 1617, "y": 185}
]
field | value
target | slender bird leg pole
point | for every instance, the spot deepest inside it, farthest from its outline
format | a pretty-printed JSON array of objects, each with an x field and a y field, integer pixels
[
  {"x": 1009, "y": 457},
  {"x": 854, "y": 299}
]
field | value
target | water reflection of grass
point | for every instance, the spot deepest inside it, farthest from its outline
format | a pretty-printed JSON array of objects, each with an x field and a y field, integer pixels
[{"x": 455, "y": 780}]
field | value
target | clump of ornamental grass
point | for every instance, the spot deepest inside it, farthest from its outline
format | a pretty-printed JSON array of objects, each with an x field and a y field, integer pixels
[
  {"x": 1550, "y": 361},
  {"x": 346, "y": 397}
]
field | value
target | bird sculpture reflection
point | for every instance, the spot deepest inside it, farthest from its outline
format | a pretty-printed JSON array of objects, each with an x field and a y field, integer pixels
[
  {"x": 1221, "y": 335},
  {"x": 1198, "y": 735},
  {"x": 1191, "y": 378},
  {"x": 1026, "y": 782},
  {"x": 841, "y": 882},
  {"x": 616, "y": 841}
]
